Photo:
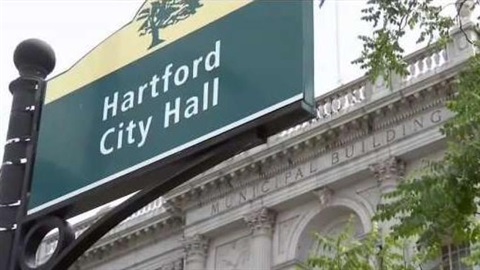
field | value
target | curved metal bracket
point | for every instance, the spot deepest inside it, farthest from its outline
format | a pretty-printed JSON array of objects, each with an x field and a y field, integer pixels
[
  {"x": 36, "y": 234},
  {"x": 172, "y": 176}
]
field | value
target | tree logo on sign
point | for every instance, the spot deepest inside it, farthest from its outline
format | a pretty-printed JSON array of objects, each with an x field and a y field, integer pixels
[{"x": 162, "y": 13}]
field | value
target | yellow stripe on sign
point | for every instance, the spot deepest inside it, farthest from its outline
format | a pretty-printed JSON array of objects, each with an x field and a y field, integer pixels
[{"x": 126, "y": 46}]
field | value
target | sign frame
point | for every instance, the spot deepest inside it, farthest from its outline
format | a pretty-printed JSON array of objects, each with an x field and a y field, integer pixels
[{"x": 264, "y": 126}]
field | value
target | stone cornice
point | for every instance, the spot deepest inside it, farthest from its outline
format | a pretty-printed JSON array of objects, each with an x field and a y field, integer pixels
[
  {"x": 319, "y": 137},
  {"x": 142, "y": 234},
  {"x": 427, "y": 66}
]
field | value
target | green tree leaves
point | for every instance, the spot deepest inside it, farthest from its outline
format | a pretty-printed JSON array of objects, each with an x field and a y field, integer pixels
[
  {"x": 439, "y": 204},
  {"x": 347, "y": 252},
  {"x": 382, "y": 54}
]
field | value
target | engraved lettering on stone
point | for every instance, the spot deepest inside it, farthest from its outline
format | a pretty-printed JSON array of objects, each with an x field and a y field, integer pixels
[
  {"x": 335, "y": 158},
  {"x": 390, "y": 135},
  {"x": 265, "y": 186},
  {"x": 436, "y": 116},
  {"x": 299, "y": 173},
  {"x": 418, "y": 123},
  {"x": 349, "y": 151},
  {"x": 288, "y": 175},
  {"x": 243, "y": 196},
  {"x": 215, "y": 208}
]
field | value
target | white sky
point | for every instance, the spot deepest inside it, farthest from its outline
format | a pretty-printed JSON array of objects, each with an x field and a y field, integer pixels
[{"x": 73, "y": 27}]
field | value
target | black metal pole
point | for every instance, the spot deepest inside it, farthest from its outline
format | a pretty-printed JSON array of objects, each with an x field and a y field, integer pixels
[{"x": 34, "y": 60}]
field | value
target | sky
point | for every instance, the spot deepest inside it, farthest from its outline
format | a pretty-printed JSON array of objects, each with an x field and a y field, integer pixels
[
  {"x": 71, "y": 27},
  {"x": 74, "y": 27}
]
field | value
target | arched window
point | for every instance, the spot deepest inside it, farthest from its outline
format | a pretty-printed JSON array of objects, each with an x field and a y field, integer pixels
[{"x": 330, "y": 222}]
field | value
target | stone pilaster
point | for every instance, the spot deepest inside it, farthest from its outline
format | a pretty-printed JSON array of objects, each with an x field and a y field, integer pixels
[
  {"x": 196, "y": 249},
  {"x": 388, "y": 173},
  {"x": 261, "y": 222}
]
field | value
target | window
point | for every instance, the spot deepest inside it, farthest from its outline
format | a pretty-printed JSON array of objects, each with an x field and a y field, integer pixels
[{"x": 452, "y": 258}]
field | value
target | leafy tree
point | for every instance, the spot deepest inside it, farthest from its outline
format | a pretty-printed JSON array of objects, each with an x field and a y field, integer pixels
[
  {"x": 192, "y": 6},
  {"x": 438, "y": 205},
  {"x": 162, "y": 13},
  {"x": 382, "y": 54},
  {"x": 158, "y": 15},
  {"x": 347, "y": 252}
]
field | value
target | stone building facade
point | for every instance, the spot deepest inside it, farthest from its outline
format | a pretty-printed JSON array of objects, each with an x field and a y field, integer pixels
[{"x": 259, "y": 209}]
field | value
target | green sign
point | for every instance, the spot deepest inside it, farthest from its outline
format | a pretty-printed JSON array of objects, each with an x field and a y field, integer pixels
[{"x": 182, "y": 88}]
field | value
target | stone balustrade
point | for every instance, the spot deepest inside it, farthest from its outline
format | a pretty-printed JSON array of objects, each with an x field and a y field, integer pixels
[
  {"x": 421, "y": 65},
  {"x": 425, "y": 62}
]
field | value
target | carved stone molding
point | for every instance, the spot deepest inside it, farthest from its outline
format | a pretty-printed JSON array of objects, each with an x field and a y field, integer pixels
[
  {"x": 261, "y": 221},
  {"x": 174, "y": 208},
  {"x": 388, "y": 173},
  {"x": 324, "y": 195},
  {"x": 268, "y": 163},
  {"x": 196, "y": 248}
]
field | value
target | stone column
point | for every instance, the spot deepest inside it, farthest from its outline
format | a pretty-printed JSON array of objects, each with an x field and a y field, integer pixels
[
  {"x": 388, "y": 174},
  {"x": 196, "y": 248},
  {"x": 261, "y": 222}
]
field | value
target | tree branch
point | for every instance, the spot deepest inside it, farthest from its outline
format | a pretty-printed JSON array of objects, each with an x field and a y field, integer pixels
[{"x": 461, "y": 23}]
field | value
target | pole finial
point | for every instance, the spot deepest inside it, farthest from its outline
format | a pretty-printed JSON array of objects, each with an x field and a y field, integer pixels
[{"x": 34, "y": 57}]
